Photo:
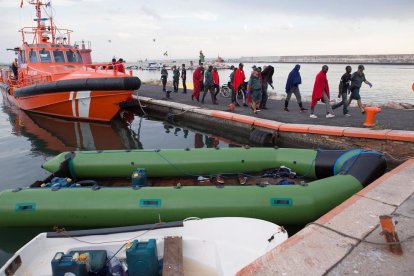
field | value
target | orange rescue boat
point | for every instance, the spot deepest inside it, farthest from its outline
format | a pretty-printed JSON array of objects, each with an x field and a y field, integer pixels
[{"x": 56, "y": 78}]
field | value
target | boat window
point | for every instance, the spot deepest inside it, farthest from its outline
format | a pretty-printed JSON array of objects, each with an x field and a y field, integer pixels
[
  {"x": 58, "y": 56},
  {"x": 45, "y": 56},
  {"x": 71, "y": 57},
  {"x": 32, "y": 56},
  {"x": 78, "y": 57},
  {"x": 22, "y": 56}
]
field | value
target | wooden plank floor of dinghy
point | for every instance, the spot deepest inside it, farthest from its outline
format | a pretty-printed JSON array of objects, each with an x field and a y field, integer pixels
[{"x": 173, "y": 257}]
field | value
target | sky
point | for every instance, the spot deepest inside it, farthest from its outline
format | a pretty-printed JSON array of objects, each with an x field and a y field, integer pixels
[{"x": 138, "y": 30}]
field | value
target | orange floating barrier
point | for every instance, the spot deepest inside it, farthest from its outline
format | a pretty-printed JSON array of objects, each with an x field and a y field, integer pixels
[
  {"x": 370, "y": 116},
  {"x": 391, "y": 236}
]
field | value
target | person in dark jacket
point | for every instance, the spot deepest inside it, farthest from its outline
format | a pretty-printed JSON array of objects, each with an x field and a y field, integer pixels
[
  {"x": 15, "y": 69},
  {"x": 176, "y": 78},
  {"x": 292, "y": 87},
  {"x": 357, "y": 79},
  {"x": 344, "y": 86},
  {"x": 230, "y": 85},
  {"x": 209, "y": 84},
  {"x": 184, "y": 78},
  {"x": 255, "y": 87},
  {"x": 267, "y": 79},
  {"x": 164, "y": 77}
]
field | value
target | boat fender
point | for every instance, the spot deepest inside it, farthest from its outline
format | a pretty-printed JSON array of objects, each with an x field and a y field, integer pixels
[
  {"x": 91, "y": 84},
  {"x": 262, "y": 138}
]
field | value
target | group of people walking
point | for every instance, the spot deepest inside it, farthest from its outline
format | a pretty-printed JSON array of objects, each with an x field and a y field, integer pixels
[
  {"x": 255, "y": 89},
  {"x": 349, "y": 84}
]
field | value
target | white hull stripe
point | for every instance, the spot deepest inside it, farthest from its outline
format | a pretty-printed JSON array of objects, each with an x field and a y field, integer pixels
[
  {"x": 81, "y": 102},
  {"x": 71, "y": 96}
]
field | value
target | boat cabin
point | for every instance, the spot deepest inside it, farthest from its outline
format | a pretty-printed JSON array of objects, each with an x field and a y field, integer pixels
[{"x": 49, "y": 53}]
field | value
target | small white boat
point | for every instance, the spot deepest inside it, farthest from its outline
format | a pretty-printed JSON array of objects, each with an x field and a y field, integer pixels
[
  {"x": 212, "y": 246},
  {"x": 153, "y": 66}
]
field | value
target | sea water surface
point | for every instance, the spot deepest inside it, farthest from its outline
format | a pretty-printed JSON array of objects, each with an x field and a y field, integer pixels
[{"x": 391, "y": 83}]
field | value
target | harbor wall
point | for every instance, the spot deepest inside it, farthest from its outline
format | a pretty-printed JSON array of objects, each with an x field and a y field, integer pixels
[{"x": 402, "y": 59}]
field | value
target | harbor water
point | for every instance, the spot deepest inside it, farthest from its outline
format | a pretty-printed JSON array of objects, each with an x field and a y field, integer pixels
[{"x": 391, "y": 83}]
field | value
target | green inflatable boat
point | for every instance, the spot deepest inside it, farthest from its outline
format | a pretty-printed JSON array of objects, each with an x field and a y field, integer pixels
[{"x": 332, "y": 177}]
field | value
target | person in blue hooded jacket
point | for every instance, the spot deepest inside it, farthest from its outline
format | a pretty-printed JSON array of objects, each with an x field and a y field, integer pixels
[{"x": 292, "y": 87}]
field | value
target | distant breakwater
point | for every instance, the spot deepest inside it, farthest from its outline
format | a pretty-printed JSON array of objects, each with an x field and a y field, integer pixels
[{"x": 403, "y": 59}]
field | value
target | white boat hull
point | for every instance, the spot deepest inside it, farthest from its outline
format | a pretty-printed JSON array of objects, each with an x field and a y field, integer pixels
[{"x": 213, "y": 246}]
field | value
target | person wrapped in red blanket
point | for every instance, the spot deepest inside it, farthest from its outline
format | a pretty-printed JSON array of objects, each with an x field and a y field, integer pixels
[
  {"x": 198, "y": 77},
  {"x": 321, "y": 92}
]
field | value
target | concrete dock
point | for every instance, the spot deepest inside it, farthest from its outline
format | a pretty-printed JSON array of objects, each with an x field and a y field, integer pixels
[
  {"x": 388, "y": 118},
  {"x": 347, "y": 240}
]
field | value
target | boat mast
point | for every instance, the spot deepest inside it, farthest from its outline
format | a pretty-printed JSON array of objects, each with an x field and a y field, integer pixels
[
  {"x": 41, "y": 30},
  {"x": 38, "y": 19}
]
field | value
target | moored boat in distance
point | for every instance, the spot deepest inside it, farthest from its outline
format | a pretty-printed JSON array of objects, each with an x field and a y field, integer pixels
[{"x": 57, "y": 78}]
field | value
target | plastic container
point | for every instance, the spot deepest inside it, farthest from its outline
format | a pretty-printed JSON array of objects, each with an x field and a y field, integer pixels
[
  {"x": 64, "y": 263},
  {"x": 139, "y": 178},
  {"x": 96, "y": 260},
  {"x": 142, "y": 258}
]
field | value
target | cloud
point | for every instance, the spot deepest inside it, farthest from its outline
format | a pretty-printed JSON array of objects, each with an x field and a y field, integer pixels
[
  {"x": 150, "y": 12},
  {"x": 204, "y": 16},
  {"x": 339, "y": 10},
  {"x": 124, "y": 35}
]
